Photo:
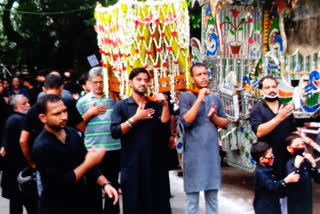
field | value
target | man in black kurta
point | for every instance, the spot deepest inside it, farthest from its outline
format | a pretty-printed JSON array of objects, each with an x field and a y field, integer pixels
[
  {"x": 64, "y": 163},
  {"x": 139, "y": 124}
]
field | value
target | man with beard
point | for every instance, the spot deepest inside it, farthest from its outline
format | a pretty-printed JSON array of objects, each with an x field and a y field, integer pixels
[
  {"x": 64, "y": 163},
  {"x": 273, "y": 122},
  {"x": 140, "y": 123},
  {"x": 201, "y": 116},
  {"x": 14, "y": 159}
]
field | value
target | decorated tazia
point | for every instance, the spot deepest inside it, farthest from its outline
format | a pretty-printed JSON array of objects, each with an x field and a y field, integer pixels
[{"x": 153, "y": 35}]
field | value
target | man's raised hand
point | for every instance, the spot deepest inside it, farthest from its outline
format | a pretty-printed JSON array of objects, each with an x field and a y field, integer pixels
[
  {"x": 143, "y": 114},
  {"x": 202, "y": 94},
  {"x": 285, "y": 111},
  {"x": 212, "y": 111},
  {"x": 161, "y": 98},
  {"x": 97, "y": 110}
]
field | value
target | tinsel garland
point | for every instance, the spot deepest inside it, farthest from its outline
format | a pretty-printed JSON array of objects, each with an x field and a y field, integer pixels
[{"x": 152, "y": 34}]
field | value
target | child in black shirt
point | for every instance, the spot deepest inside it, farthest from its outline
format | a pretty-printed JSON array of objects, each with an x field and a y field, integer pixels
[
  {"x": 300, "y": 193},
  {"x": 266, "y": 189}
]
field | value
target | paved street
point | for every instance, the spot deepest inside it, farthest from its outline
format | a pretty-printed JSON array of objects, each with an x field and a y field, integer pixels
[{"x": 235, "y": 196}]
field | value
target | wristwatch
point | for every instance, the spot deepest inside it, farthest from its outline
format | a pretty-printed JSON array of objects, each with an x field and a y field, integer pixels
[{"x": 105, "y": 184}]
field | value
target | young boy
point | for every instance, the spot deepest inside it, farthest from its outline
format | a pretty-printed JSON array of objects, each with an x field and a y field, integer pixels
[
  {"x": 266, "y": 189},
  {"x": 300, "y": 193}
]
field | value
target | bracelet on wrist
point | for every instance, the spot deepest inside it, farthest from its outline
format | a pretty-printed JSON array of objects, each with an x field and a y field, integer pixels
[
  {"x": 105, "y": 184},
  {"x": 130, "y": 121}
]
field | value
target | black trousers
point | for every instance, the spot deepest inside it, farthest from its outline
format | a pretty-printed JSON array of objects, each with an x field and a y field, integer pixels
[
  {"x": 110, "y": 167},
  {"x": 16, "y": 206}
]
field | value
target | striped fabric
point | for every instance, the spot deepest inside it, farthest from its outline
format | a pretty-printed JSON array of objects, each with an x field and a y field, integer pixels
[{"x": 97, "y": 131}]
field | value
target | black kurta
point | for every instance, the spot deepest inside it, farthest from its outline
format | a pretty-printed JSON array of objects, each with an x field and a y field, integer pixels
[
  {"x": 56, "y": 162},
  {"x": 300, "y": 193},
  {"x": 260, "y": 114},
  {"x": 144, "y": 191},
  {"x": 267, "y": 191}
]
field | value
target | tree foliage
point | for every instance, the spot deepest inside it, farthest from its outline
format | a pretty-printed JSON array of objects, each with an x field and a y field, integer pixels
[
  {"x": 51, "y": 34},
  {"x": 195, "y": 19}
]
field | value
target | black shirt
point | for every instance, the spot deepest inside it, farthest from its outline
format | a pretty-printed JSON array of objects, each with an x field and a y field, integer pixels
[
  {"x": 267, "y": 191},
  {"x": 33, "y": 92},
  {"x": 14, "y": 158},
  {"x": 260, "y": 114},
  {"x": 56, "y": 162},
  {"x": 73, "y": 87},
  {"x": 11, "y": 136},
  {"x": 300, "y": 193}
]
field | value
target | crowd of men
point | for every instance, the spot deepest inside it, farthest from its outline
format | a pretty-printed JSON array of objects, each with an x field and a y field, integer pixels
[
  {"x": 67, "y": 137},
  {"x": 81, "y": 141}
]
